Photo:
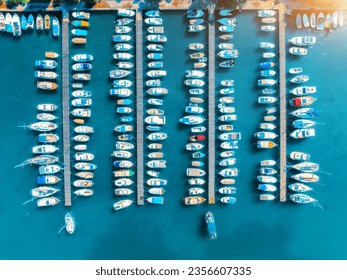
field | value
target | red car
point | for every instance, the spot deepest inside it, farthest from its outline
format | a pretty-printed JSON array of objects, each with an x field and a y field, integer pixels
[{"x": 196, "y": 138}]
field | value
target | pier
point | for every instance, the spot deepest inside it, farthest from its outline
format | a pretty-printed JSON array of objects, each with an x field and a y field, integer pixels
[
  {"x": 66, "y": 113},
  {"x": 283, "y": 104},
  {"x": 211, "y": 107},
  {"x": 139, "y": 110}
]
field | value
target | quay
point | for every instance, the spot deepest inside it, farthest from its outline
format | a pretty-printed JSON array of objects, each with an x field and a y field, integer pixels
[
  {"x": 139, "y": 110},
  {"x": 283, "y": 103},
  {"x": 211, "y": 107},
  {"x": 66, "y": 113}
]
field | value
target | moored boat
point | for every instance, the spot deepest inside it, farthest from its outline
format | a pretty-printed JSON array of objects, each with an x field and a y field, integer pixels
[
  {"x": 193, "y": 200},
  {"x": 47, "y": 201},
  {"x": 122, "y": 204}
]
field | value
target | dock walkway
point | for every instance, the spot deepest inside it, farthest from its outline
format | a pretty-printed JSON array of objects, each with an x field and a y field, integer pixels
[
  {"x": 139, "y": 110},
  {"x": 66, "y": 113},
  {"x": 283, "y": 104},
  {"x": 211, "y": 107}
]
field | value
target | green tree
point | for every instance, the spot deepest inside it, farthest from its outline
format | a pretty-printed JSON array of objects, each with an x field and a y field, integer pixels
[{"x": 1, "y": 2}]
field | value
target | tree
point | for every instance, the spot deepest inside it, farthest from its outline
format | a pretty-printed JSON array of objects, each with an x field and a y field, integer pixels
[{"x": 92, "y": 2}]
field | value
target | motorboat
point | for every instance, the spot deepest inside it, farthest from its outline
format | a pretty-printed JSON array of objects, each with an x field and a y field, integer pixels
[
  {"x": 81, "y": 77},
  {"x": 229, "y": 172},
  {"x": 267, "y": 73},
  {"x": 195, "y": 191},
  {"x": 155, "y": 182},
  {"x": 83, "y": 183},
  {"x": 295, "y": 70},
  {"x": 230, "y": 136},
  {"x": 121, "y": 38},
  {"x": 313, "y": 21},
  {"x": 267, "y": 162},
  {"x": 16, "y": 26},
  {"x": 122, "y": 204},
  {"x": 305, "y": 90},
  {"x": 81, "y": 93},
  {"x": 227, "y": 63},
  {"x": 267, "y": 187},
  {"x": 123, "y": 47},
  {"x": 156, "y": 73},
  {"x": 298, "y": 187},
  {"x": 298, "y": 51},
  {"x": 122, "y": 83},
  {"x": 267, "y": 65},
  {"x": 156, "y": 38},
  {"x": 81, "y": 15},
  {"x": 81, "y": 113},
  {"x": 226, "y": 28},
  {"x": 121, "y": 154},
  {"x": 300, "y": 79},
  {"x": 266, "y": 197},
  {"x": 198, "y": 129},
  {"x": 47, "y": 75},
  {"x": 302, "y": 198},
  {"x": 194, "y": 146},
  {"x": 303, "y": 133},
  {"x": 268, "y": 126},
  {"x": 156, "y": 191},
  {"x": 43, "y": 191},
  {"x": 266, "y": 13},
  {"x": 266, "y": 82},
  {"x": 122, "y": 56},
  {"x": 264, "y": 144},
  {"x": 306, "y": 167},
  {"x": 195, "y": 13},
  {"x": 228, "y": 200},
  {"x": 196, "y": 181},
  {"x": 225, "y": 127},
  {"x": 298, "y": 21},
  {"x": 47, "y": 180},
  {"x": 227, "y": 162},
  {"x": 195, "y": 27},
  {"x": 303, "y": 41},
  {"x": 81, "y": 102},
  {"x": 192, "y": 120},
  {"x": 193, "y": 200},
  {"x": 47, "y": 201},
  {"x": 84, "y": 129},
  {"x": 156, "y": 91},
  {"x": 85, "y": 166},
  {"x": 156, "y": 164},
  {"x": 267, "y": 170},
  {"x": 266, "y": 99},
  {"x": 49, "y": 169},
  {"x": 157, "y": 136},
  {"x": 268, "y": 20},
  {"x": 30, "y": 22},
  {"x": 39, "y": 22},
  {"x": 268, "y": 55},
  {"x": 299, "y": 156},
  {"x": 196, "y": 46},
  {"x": 305, "y": 113},
  {"x": 156, "y": 64},
  {"x": 228, "y": 53},
  {"x": 155, "y": 120},
  {"x": 268, "y": 91},
  {"x": 84, "y": 192},
  {"x": 225, "y": 46},
  {"x": 227, "y": 190},
  {"x": 320, "y": 22},
  {"x": 302, "y": 101},
  {"x": 55, "y": 27},
  {"x": 228, "y": 21},
  {"x": 265, "y": 135},
  {"x": 266, "y": 45},
  {"x": 82, "y": 156},
  {"x": 228, "y": 118},
  {"x": 81, "y": 138},
  {"x": 45, "y": 117},
  {"x": 156, "y": 29},
  {"x": 267, "y": 28},
  {"x": 305, "y": 21},
  {"x": 48, "y": 138},
  {"x": 266, "y": 179},
  {"x": 123, "y": 173},
  {"x": 120, "y": 92},
  {"x": 46, "y": 64}
]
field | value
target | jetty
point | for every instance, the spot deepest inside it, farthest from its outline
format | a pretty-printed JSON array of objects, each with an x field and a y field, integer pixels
[
  {"x": 139, "y": 110},
  {"x": 66, "y": 113},
  {"x": 283, "y": 104},
  {"x": 211, "y": 107}
]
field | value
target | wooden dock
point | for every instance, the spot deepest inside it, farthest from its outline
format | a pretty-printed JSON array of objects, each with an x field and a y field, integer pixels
[
  {"x": 139, "y": 110},
  {"x": 283, "y": 104},
  {"x": 211, "y": 107},
  {"x": 66, "y": 111}
]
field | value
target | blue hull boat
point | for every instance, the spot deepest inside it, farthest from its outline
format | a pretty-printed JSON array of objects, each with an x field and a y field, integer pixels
[
  {"x": 79, "y": 32},
  {"x": 23, "y": 22},
  {"x": 211, "y": 225}
]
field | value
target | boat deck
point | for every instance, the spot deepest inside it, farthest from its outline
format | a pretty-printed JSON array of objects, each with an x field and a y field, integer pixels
[
  {"x": 283, "y": 104},
  {"x": 66, "y": 113},
  {"x": 211, "y": 107},
  {"x": 139, "y": 110}
]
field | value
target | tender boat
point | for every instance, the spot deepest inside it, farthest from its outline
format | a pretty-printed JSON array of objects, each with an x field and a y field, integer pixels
[{"x": 228, "y": 53}]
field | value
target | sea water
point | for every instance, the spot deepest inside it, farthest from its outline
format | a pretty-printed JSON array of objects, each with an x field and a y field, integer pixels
[{"x": 249, "y": 229}]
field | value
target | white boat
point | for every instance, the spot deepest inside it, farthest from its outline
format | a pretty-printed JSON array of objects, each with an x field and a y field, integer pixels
[
  {"x": 266, "y": 99},
  {"x": 194, "y": 146},
  {"x": 229, "y": 172},
  {"x": 268, "y": 162},
  {"x": 43, "y": 191},
  {"x": 267, "y": 28},
  {"x": 266, "y": 13},
  {"x": 230, "y": 136},
  {"x": 266, "y": 179},
  {"x": 195, "y": 27},
  {"x": 84, "y": 192},
  {"x": 192, "y": 120},
  {"x": 295, "y": 70},
  {"x": 303, "y": 41},
  {"x": 44, "y": 149},
  {"x": 267, "y": 187},
  {"x": 227, "y": 190},
  {"x": 303, "y": 133},
  {"x": 225, "y": 46},
  {"x": 268, "y": 20},
  {"x": 306, "y": 177},
  {"x": 196, "y": 181},
  {"x": 157, "y": 136},
  {"x": 156, "y": 29},
  {"x": 298, "y": 51},
  {"x": 298, "y": 187},
  {"x": 227, "y": 162},
  {"x": 305, "y": 21},
  {"x": 267, "y": 197},
  {"x": 123, "y": 182},
  {"x": 156, "y": 38},
  {"x": 124, "y": 145},
  {"x": 84, "y": 156},
  {"x": 154, "y": 21},
  {"x": 268, "y": 55},
  {"x": 122, "y": 204},
  {"x": 298, "y": 21},
  {"x": 320, "y": 22},
  {"x": 125, "y": 13},
  {"x": 84, "y": 129},
  {"x": 155, "y": 182},
  {"x": 264, "y": 144},
  {"x": 305, "y": 90},
  {"x": 123, "y": 191},
  {"x": 156, "y": 164},
  {"x": 49, "y": 169},
  {"x": 302, "y": 198},
  {"x": 198, "y": 129},
  {"x": 47, "y": 201},
  {"x": 313, "y": 21},
  {"x": 299, "y": 156},
  {"x": 265, "y": 135},
  {"x": 266, "y": 45},
  {"x": 228, "y": 118},
  {"x": 266, "y": 82},
  {"x": 195, "y": 191},
  {"x": 268, "y": 126},
  {"x": 195, "y": 172},
  {"x": 306, "y": 167},
  {"x": 300, "y": 79},
  {"x": 156, "y": 191}
]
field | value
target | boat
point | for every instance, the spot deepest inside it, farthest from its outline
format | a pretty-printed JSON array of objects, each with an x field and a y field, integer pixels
[
  {"x": 153, "y": 173},
  {"x": 46, "y": 64},
  {"x": 266, "y": 13},
  {"x": 228, "y": 53},
  {"x": 156, "y": 191},
  {"x": 194, "y": 74},
  {"x": 155, "y": 146},
  {"x": 47, "y": 21},
  {"x": 48, "y": 138},
  {"x": 16, "y": 26},
  {"x": 227, "y": 162},
  {"x": 82, "y": 93},
  {"x": 155, "y": 91},
  {"x": 121, "y": 154},
  {"x": 334, "y": 21},
  {"x": 80, "y": 147},
  {"x": 46, "y": 117},
  {"x": 298, "y": 187},
  {"x": 156, "y": 73},
  {"x": 47, "y": 180},
  {"x": 299, "y": 156},
  {"x": 31, "y": 22},
  {"x": 303, "y": 41},
  {"x": 196, "y": 181},
  {"x": 306, "y": 166},
  {"x": 267, "y": 187},
  {"x": 340, "y": 19},
  {"x": 156, "y": 182},
  {"x": 156, "y": 38},
  {"x": 123, "y": 191},
  {"x": 268, "y": 162},
  {"x": 228, "y": 199},
  {"x": 229, "y": 172},
  {"x": 46, "y": 85},
  {"x": 43, "y": 191},
  {"x": 123, "y": 182},
  {"x": 298, "y": 21},
  {"x": 211, "y": 225},
  {"x": 194, "y": 109},
  {"x": 225, "y": 46},
  {"x": 154, "y": 21},
  {"x": 230, "y": 136},
  {"x": 295, "y": 70},
  {"x": 300, "y": 79},
  {"x": 156, "y": 164},
  {"x": 79, "y": 40},
  {"x": 122, "y": 204},
  {"x": 123, "y": 47},
  {"x": 268, "y": 20},
  {"x": 266, "y": 65},
  {"x": 49, "y": 169},
  {"x": 226, "y": 28},
  {"x": 79, "y": 32},
  {"x": 269, "y": 118},
  {"x": 43, "y": 126},
  {"x": 298, "y": 51},
  {"x": 228, "y": 118},
  {"x": 196, "y": 46},
  {"x": 157, "y": 136},
  {"x": 227, "y": 63},
  {"x": 155, "y": 120},
  {"x": 313, "y": 21},
  {"x": 303, "y": 133},
  {"x": 198, "y": 65},
  {"x": 47, "y": 201},
  {"x": 124, "y": 145},
  {"x": 198, "y": 155},
  {"x": 152, "y": 13},
  {"x": 77, "y": 85},
  {"x": 266, "y": 82},
  {"x": 267, "y": 171},
  {"x": 84, "y": 129},
  {"x": 8, "y": 23},
  {"x": 156, "y": 155},
  {"x": 155, "y": 47},
  {"x": 193, "y": 200},
  {"x": 267, "y": 197},
  {"x": 155, "y": 111},
  {"x": 156, "y": 64},
  {"x": 81, "y": 156},
  {"x": 122, "y": 56},
  {"x": 228, "y": 21},
  {"x": 267, "y": 73},
  {"x": 320, "y": 22},
  {"x": 268, "y": 126},
  {"x": 120, "y": 92},
  {"x": 195, "y": 13},
  {"x": 302, "y": 101},
  {"x": 39, "y": 22},
  {"x": 85, "y": 166},
  {"x": 328, "y": 22},
  {"x": 198, "y": 129},
  {"x": 267, "y": 28},
  {"x": 194, "y": 146},
  {"x": 155, "y": 200},
  {"x": 2, "y": 22},
  {"x": 305, "y": 113},
  {"x": 196, "y": 27},
  {"x": 82, "y": 57},
  {"x": 264, "y": 144},
  {"x": 227, "y": 190},
  {"x": 122, "y": 29},
  {"x": 48, "y": 75},
  {"x": 55, "y": 27},
  {"x": 302, "y": 198},
  {"x": 265, "y": 135},
  {"x": 81, "y": 15},
  {"x": 268, "y": 91},
  {"x": 84, "y": 192},
  {"x": 81, "y": 138},
  {"x": 305, "y": 177},
  {"x": 196, "y": 21},
  {"x": 194, "y": 82},
  {"x": 305, "y": 21},
  {"x": 154, "y": 83},
  {"x": 266, "y": 179},
  {"x": 122, "y": 83},
  {"x": 266, "y": 45},
  {"x": 81, "y": 112},
  {"x": 266, "y": 99},
  {"x": 156, "y": 29},
  {"x": 192, "y": 120},
  {"x": 225, "y": 127}
]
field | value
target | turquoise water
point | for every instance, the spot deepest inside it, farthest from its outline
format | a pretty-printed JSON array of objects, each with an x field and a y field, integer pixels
[{"x": 247, "y": 230}]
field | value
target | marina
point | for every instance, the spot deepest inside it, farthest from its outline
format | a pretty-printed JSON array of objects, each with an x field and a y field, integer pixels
[{"x": 173, "y": 156}]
